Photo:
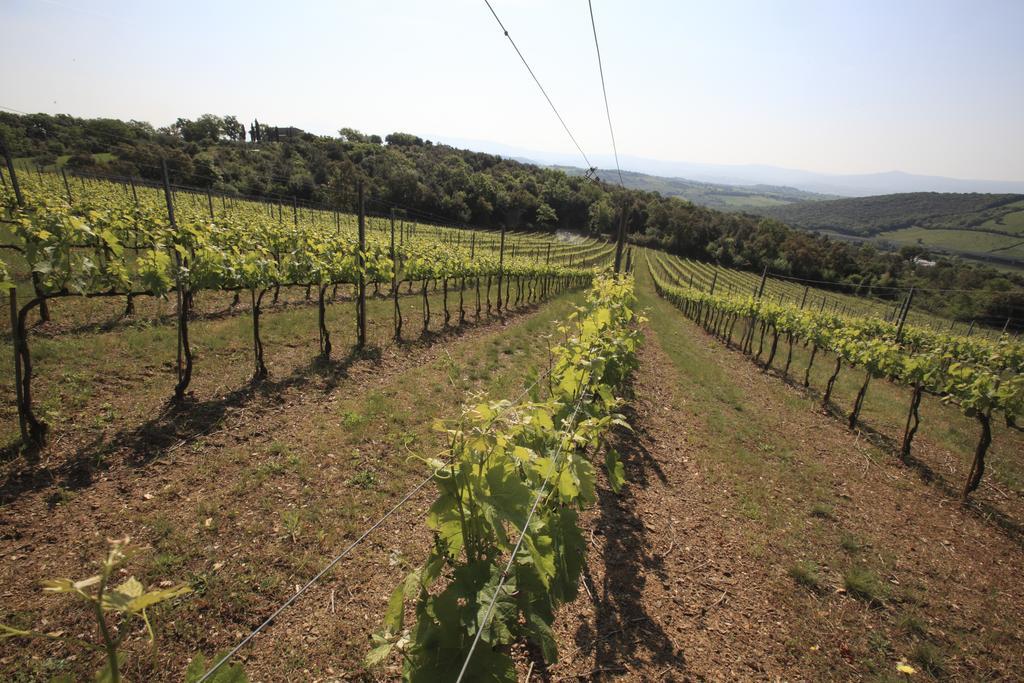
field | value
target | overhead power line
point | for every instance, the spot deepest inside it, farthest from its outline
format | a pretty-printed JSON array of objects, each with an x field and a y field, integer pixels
[
  {"x": 604, "y": 91},
  {"x": 544, "y": 92},
  {"x": 309, "y": 584}
]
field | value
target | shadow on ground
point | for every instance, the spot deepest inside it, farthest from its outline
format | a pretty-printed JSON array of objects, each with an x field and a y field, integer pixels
[
  {"x": 176, "y": 425},
  {"x": 623, "y": 632},
  {"x": 1013, "y": 529}
]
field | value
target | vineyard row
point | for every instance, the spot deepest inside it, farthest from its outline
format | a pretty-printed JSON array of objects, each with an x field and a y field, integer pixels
[
  {"x": 980, "y": 376},
  {"x": 107, "y": 242}
]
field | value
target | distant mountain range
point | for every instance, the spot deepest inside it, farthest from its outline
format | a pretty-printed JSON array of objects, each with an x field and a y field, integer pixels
[{"x": 846, "y": 185}]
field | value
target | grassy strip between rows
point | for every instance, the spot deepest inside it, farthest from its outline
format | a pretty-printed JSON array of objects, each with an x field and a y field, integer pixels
[{"x": 856, "y": 587}]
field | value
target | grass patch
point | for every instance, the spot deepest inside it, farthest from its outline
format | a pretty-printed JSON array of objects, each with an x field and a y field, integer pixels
[
  {"x": 160, "y": 526},
  {"x": 292, "y": 521},
  {"x": 863, "y": 584},
  {"x": 277, "y": 448},
  {"x": 61, "y": 496},
  {"x": 167, "y": 563},
  {"x": 879, "y": 643},
  {"x": 822, "y": 511},
  {"x": 352, "y": 421},
  {"x": 929, "y": 658},
  {"x": 750, "y": 508},
  {"x": 364, "y": 479},
  {"x": 911, "y": 624},
  {"x": 805, "y": 574},
  {"x": 850, "y": 543}
]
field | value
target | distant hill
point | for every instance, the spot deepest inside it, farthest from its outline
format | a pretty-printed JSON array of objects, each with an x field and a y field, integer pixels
[
  {"x": 847, "y": 185},
  {"x": 981, "y": 227},
  {"x": 873, "y": 215},
  {"x": 713, "y": 195}
]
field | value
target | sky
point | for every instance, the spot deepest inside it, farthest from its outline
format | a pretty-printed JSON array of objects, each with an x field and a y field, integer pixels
[{"x": 846, "y": 86}]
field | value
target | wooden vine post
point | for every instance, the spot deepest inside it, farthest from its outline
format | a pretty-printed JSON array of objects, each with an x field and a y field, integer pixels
[
  {"x": 913, "y": 420},
  {"x": 16, "y": 339},
  {"x": 325, "y": 335},
  {"x": 508, "y": 280},
  {"x": 260, "y": 368},
  {"x": 67, "y": 188},
  {"x": 181, "y": 296},
  {"x": 394, "y": 281},
  {"x": 984, "y": 418},
  {"x": 10, "y": 171},
  {"x": 501, "y": 267},
  {"x": 903, "y": 314},
  {"x": 360, "y": 272},
  {"x": 620, "y": 239},
  {"x": 764, "y": 278},
  {"x": 44, "y": 307},
  {"x": 747, "y": 342}
]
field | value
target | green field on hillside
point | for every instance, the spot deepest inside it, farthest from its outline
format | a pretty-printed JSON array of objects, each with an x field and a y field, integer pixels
[
  {"x": 978, "y": 227},
  {"x": 883, "y": 213},
  {"x": 961, "y": 241},
  {"x": 1008, "y": 222}
]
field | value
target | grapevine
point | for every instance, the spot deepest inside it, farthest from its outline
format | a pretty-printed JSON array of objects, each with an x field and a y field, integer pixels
[
  {"x": 106, "y": 242},
  {"x": 981, "y": 376},
  {"x": 507, "y": 545}
]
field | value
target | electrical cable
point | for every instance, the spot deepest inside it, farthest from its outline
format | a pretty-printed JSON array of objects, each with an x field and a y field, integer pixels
[
  {"x": 537, "y": 81},
  {"x": 604, "y": 91}
]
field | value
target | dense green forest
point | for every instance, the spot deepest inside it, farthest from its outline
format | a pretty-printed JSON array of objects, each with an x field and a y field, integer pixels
[
  {"x": 872, "y": 215},
  {"x": 441, "y": 183}
]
